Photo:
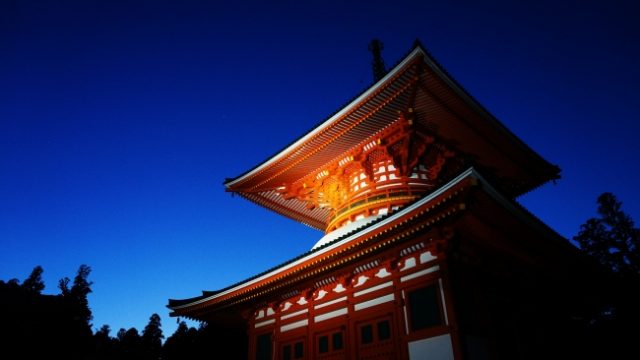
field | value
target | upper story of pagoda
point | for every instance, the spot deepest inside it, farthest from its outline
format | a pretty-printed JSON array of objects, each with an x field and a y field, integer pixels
[{"x": 400, "y": 139}]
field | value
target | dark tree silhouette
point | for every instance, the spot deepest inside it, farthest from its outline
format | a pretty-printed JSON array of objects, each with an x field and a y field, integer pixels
[
  {"x": 39, "y": 325},
  {"x": 34, "y": 282},
  {"x": 105, "y": 345},
  {"x": 130, "y": 345},
  {"x": 189, "y": 343},
  {"x": 104, "y": 331},
  {"x": 63, "y": 285},
  {"x": 612, "y": 238},
  {"x": 79, "y": 291},
  {"x": 76, "y": 326},
  {"x": 182, "y": 344},
  {"x": 152, "y": 338},
  {"x": 121, "y": 333}
]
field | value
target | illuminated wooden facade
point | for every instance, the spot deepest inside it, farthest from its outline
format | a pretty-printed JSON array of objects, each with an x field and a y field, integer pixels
[{"x": 413, "y": 183}]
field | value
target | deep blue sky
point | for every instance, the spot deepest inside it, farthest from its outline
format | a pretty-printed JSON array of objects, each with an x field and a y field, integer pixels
[{"x": 119, "y": 122}]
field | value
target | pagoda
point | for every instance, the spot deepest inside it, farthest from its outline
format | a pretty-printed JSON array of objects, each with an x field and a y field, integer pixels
[{"x": 425, "y": 254}]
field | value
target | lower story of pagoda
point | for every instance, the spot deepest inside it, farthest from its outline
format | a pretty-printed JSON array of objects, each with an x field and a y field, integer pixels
[
  {"x": 462, "y": 274},
  {"x": 383, "y": 310}
]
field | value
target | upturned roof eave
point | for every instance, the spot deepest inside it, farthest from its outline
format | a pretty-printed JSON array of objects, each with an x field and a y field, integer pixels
[
  {"x": 229, "y": 183},
  {"x": 182, "y": 307},
  {"x": 177, "y": 305},
  {"x": 551, "y": 171}
]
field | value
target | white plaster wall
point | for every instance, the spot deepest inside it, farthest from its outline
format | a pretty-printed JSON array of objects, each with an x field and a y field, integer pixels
[{"x": 435, "y": 348}]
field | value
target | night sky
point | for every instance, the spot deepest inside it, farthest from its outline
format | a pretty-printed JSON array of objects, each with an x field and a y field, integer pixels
[{"x": 119, "y": 121}]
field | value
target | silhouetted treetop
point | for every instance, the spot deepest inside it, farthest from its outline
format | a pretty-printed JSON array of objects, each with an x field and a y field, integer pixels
[
  {"x": 152, "y": 333},
  {"x": 34, "y": 282},
  {"x": 78, "y": 293},
  {"x": 63, "y": 285},
  {"x": 81, "y": 285},
  {"x": 152, "y": 338},
  {"x": 104, "y": 330},
  {"x": 121, "y": 333},
  {"x": 612, "y": 238}
]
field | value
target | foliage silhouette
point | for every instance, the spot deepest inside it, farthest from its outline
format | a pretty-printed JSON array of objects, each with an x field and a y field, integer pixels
[
  {"x": 43, "y": 325},
  {"x": 131, "y": 345},
  {"x": 614, "y": 241},
  {"x": 105, "y": 347},
  {"x": 152, "y": 338},
  {"x": 191, "y": 343},
  {"x": 34, "y": 282},
  {"x": 79, "y": 291},
  {"x": 58, "y": 326},
  {"x": 612, "y": 238}
]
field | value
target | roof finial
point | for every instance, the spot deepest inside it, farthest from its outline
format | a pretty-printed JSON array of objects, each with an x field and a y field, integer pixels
[{"x": 379, "y": 71}]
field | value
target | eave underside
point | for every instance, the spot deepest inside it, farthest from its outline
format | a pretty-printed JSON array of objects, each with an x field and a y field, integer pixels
[
  {"x": 439, "y": 205},
  {"x": 448, "y": 204},
  {"x": 418, "y": 219},
  {"x": 447, "y": 112},
  {"x": 362, "y": 122}
]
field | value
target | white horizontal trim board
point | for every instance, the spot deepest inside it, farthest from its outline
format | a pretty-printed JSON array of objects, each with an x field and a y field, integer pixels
[
  {"x": 420, "y": 273},
  {"x": 283, "y": 317},
  {"x": 373, "y": 288},
  {"x": 294, "y": 325},
  {"x": 331, "y": 314},
  {"x": 260, "y": 324},
  {"x": 334, "y": 301},
  {"x": 374, "y": 302}
]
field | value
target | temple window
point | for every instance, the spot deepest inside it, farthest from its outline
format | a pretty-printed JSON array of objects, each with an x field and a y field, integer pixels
[
  {"x": 375, "y": 338},
  {"x": 375, "y": 331},
  {"x": 330, "y": 344},
  {"x": 424, "y": 308},
  {"x": 292, "y": 350},
  {"x": 263, "y": 347}
]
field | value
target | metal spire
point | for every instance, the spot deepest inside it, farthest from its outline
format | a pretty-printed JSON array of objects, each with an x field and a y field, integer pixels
[{"x": 379, "y": 70}]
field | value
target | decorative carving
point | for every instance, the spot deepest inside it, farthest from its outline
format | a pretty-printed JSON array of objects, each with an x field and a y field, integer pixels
[
  {"x": 436, "y": 159},
  {"x": 259, "y": 314},
  {"x": 410, "y": 156},
  {"x": 329, "y": 189},
  {"x": 320, "y": 294},
  {"x": 371, "y": 159},
  {"x": 339, "y": 288},
  {"x": 382, "y": 273},
  {"x": 302, "y": 301},
  {"x": 406, "y": 144},
  {"x": 285, "y": 306},
  {"x": 407, "y": 263},
  {"x": 360, "y": 280},
  {"x": 426, "y": 257}
]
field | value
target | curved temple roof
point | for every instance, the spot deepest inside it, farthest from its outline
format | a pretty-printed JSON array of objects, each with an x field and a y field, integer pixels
[
  {"x": 418, "y": 83},
  {"x": 183, "y": 307},
  {"x": 270, "y": 280}
]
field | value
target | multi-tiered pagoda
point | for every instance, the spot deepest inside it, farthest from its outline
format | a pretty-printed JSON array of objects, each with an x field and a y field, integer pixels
[{"x": 425, "y": 253}]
